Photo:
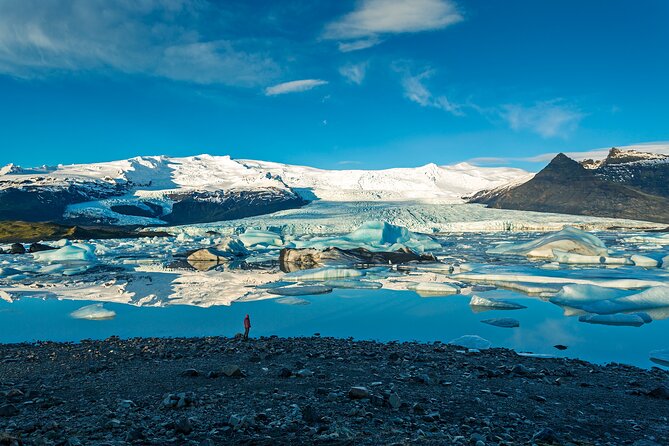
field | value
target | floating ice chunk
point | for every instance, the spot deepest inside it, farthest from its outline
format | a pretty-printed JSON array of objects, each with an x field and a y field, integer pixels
[
  {"x": 292, "y": 301},
  {"x": 643, "y": 261},
  {"x": 354, "y": 284},
  {"x": 228, "y": 249},
  {"x": 471, "y": 342},
  {"x": 75, "y": 251},
  {"x": 300, "y": 290},
  {"x": 501, "y": 279},
  {"x": 619, "y": 320},
  {"x": 570, "y": 240},
  {"x": 536, "y": 355},
  {"x": 374, "y": 236},
  {"x": 579, "y": 259},
  {"x": 550, "y": 266},
  {"x": 433, "y": 288},
  {"x": 6, "y": 272},
  {"x": 254, "y": 237},
  {"x": 654, "y": 297},
  {"x": 504, "y": 322},
  {"x": 572, "y": 295},
  {"x": 497, "y": 304},
  {"x": 93, "y": 312},
  {"x": 323, "y": 274},
  {"x": 660, "y": 357}
]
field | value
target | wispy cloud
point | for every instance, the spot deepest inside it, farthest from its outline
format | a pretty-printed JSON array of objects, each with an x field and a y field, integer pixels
[
  {"x": 361, "y": 44},
  {"x": 294, "y": 86},
  {"x": 354, "y": 73},
  {"x": 548, "y": 119},
  {"x": 362, "y": 27},
  {"x": 152, "y": 37},
  {"x": 416, "y": 91}
]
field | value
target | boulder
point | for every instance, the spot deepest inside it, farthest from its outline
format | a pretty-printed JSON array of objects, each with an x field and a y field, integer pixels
[
  {"x": 37, "y": 247},
  {"x": 17, "y": 248},
  {"x": 292, "y": 259}
]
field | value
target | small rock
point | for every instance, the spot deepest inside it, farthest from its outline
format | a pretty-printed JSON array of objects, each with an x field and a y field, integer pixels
[
  {"x": 285, "y": 373},
  {"x": 189, "y": 373},
  {"x": 661, "y": 392},
  {"x": 545, "y": 435},
  {"x": 232, "y": 371},
  {"x": 309, "y": 414},
  {"x": 394, "y": 401},
  {"x": 358, "y": 393},
  {"x": 17, "y": 248},
  {"x": 183, "y": 426},
  {"x": 8, "y": 410}
]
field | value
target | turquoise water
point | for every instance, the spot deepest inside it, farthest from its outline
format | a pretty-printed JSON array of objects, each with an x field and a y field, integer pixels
[{"x": 362, "y": 314}]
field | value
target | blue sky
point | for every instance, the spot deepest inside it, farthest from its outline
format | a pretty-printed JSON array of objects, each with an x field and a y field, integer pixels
[{"x": 339, "y": 84}]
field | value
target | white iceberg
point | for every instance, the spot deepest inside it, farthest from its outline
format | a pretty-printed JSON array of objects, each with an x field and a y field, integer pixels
[
  {"x": 569, "y": 240},
  {"x": 74, "y": 252},
  {"x": 433, "y": 288},
  {"x": 665, "y": 262},
  {"x": 255, "y": 237},
  {"x": 374, "y": 236},
  {"x": 95, "y": 312},
  {"x": 471, "y": 342},
  {"x": 497, "y": 304},
  {"x": 503, "y": 322},
  {"x": 323, "y": 274},
  {"x": 643, "y": 261},
  {"x": 573, "y": 295},
  {"x": 655, "y": 297},
  {"x": 618, "y": 320}
]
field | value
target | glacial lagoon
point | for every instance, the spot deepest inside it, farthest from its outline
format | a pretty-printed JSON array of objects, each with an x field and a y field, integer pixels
[{"x": 147, "y": 289}]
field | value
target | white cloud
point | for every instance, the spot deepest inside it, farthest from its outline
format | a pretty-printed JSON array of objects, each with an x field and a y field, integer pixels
[
  {"x": 416, "y": 91},
  {"x": 151, "y": 37},
  {"x": 548, "y": 119},
  {"x": 354, "y": 72},
  {"x": 294, "y": 86},
  {"x": 378, "y": 17}
]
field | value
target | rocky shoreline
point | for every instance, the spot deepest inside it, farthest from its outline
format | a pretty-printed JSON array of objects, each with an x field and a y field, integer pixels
[{"x": 267, "y": 391}]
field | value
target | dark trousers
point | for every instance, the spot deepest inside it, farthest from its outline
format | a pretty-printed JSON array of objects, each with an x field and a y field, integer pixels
[{"x": 246, "y": 333}]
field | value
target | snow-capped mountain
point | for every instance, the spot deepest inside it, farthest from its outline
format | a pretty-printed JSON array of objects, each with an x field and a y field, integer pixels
[
  {"x": 205, "y": 188},
  {"x": 625, "y": 184}
]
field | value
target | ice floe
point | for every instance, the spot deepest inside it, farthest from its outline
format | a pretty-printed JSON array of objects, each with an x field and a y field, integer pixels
[
  {"x": 374, "y": 236},
  {"x": 568, "y": 240},
  {"x": 643, "y": 261},
  {"x": 93, "y": 312},
  {"x": 496, "y": 304},
  {"x": 433, "y": 288},
  {"x": 323, "y": 274},
  {"x": 76, "y": 251},
  {"x": 292, "y": 301},
  {"x": 354, "y": 284}
]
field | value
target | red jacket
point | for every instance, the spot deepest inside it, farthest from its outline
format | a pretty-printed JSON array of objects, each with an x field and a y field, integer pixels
[{"x": 247, "y": 322}]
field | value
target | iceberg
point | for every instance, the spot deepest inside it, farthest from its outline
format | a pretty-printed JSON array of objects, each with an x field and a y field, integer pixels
[
  {"x": 95, "y": 312},
  {"x": 323, "y": 274},
  {"x": 74, "y": 252},
  {"x": 300, "y": 290},
  {"x": 471, "y": 342},
  {"x": 569, "y": 240},
  {"x": 374, "y": 236},
  {"x": 660, "y": 357},
  {"x": 618, "y": 320},
  {"x": 643, "y": 261},
  {"x": 496, "y": 304},
  {"x": 655, "y": 297},
  {"x": 665, "y": 262},
  {"x": 433, "y": 288},
  {"x": 572, "y": 295},
  {"x": 503, "y": 322},
  {"x": 255, "y": 237}
]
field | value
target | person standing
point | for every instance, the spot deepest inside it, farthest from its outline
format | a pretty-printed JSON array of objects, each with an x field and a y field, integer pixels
[{"x": 247, "y": 326}]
